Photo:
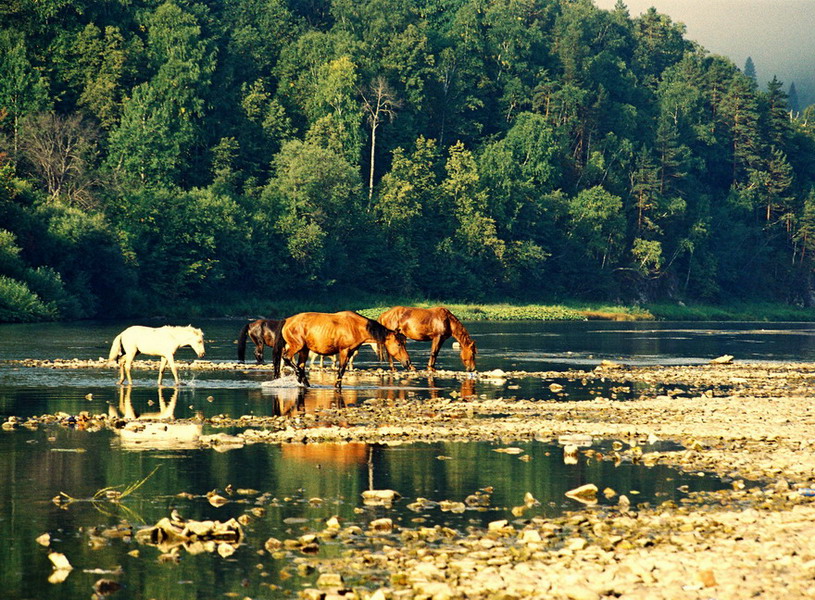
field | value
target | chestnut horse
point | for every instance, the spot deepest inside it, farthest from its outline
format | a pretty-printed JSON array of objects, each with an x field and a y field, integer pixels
[
  {"x": 340, "y": 333},
  {"x": 262, "y": 333},
  {"x": 434, "y": 325}
]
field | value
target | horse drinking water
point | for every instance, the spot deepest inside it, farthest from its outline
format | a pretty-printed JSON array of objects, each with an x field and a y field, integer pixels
[
  {"x": 262, "y": 333},
  {"x": 340, "y": 333},
  {"x": 434, "y": 325},
  {"x": 158, "y": 341}
]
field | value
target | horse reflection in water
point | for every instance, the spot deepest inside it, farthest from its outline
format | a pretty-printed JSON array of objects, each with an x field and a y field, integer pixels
[
  {"x": 340, "y": 453},
  {"x": 400, "y": 393},
  {"x": 153, "y": 430},
  {"x": 297, "y": 401}
]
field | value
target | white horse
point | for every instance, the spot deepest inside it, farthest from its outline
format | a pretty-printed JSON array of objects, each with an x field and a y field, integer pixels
[{"x": 158, "y": 341}]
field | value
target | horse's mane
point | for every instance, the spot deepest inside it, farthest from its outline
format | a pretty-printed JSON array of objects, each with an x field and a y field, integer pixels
[
  {"x": 378, "y": 332},
  {"x": 270, "y": 324},
  {"x": 185, "y": 328},
  {"x": 458, "y": 330}
]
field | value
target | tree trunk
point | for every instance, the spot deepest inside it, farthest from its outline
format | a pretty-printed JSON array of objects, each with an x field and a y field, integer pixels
[{"x": 373, "y": 149}]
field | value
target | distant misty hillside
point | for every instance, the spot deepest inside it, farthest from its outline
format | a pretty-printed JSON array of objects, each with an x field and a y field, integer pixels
[{"x": 777, "y": 34}]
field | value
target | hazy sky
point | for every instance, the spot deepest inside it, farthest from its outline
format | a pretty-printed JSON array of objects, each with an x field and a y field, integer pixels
[{"x": 777, "y": 34}]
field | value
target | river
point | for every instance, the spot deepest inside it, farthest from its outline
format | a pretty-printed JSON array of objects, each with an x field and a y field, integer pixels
[{"x": 56, "y": 477}]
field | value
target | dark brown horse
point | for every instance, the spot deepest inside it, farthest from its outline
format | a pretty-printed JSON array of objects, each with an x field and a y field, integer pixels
[
  {"x": 434, "y": 325},
  {"x": 262, "y": 334},
  {"x": 339, "y": 333}
]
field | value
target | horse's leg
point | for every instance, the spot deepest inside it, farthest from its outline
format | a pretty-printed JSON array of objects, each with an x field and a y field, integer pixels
[
  {"x": 342, "y": 363},
  {"x": 434, "y": 352},
  {"x": 302, "y": 357},
  {"x": 259, "y": 352},
  {"x": 128, "y": 364},
  {"x": 287, "y": 361},
  {"x": 174, "y": 370},
  {"x": 161, "y": 366},
  {"x": 300, "y": 365},
  {"x": 121, "y": 370}
]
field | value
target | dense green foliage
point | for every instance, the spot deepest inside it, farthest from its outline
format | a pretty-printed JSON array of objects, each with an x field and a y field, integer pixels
[{"x": 195, "y": 153}]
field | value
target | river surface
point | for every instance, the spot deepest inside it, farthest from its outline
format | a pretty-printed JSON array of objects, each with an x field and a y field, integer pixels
[{"x": 288, "y": 490}]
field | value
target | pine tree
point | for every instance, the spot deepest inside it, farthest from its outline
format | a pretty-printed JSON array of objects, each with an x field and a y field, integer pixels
[
  {"x": 777, "y": 110},
  {"x": 739, "y": 111},
  {"x": 750, "y": 69},
  {"x": 645, "y": 185},
  {"x": 792, "y": 100}
]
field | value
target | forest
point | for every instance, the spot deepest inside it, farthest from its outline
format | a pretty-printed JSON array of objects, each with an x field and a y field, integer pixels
[{"x": 231, "y": 153}]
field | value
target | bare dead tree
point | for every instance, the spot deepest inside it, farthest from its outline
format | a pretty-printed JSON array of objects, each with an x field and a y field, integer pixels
[
  {"x": 61, "y": 151},
  {"x": 379, "y": 102}
]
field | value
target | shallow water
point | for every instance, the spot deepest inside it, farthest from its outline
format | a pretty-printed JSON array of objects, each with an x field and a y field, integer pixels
[
  {"x": 299, "y": 486},
  {"x": 528, "y": 346},
  {"x": 36, "y": 466}
]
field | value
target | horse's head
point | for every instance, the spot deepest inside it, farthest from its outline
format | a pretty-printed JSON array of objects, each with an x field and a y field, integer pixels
[
  {"x": 196, "y": 341},
  {"x": 395, "y": 345},
  {"x": 468, "y": 352}
]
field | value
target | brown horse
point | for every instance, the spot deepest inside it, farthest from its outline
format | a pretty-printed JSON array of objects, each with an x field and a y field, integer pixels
[
  {"x": 434, "y": 325},
  {"x": 340, "y": 333},
  {"x": 262, "y": 333}
]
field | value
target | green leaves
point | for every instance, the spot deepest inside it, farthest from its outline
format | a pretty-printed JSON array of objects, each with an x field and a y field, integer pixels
[
  {"x": 160, "y": 120},
  {"x": 23, "y": 90},
  {"x": 520, "y": 147},
  {"x": 596, "y": 222}
]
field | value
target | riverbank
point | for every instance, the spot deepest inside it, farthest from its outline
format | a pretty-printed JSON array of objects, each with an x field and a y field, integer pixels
[
  {"x": 751, "y": 423},
  {"x": 499, "y": 311},
  {"x": 572, "y": 311},
  {"x": 518, "y": 311}
]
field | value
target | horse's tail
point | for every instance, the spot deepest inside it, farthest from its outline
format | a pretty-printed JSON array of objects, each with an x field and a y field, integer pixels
[
  {"x": 116, "y": 349},
  {"x": 277, "y": 349},
  {"x": 378, "y": 332},
  {"x": 242, "y": 342}
]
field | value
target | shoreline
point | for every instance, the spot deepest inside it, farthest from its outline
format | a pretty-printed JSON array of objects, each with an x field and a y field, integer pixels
[{"x": 571, "y": 310}]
